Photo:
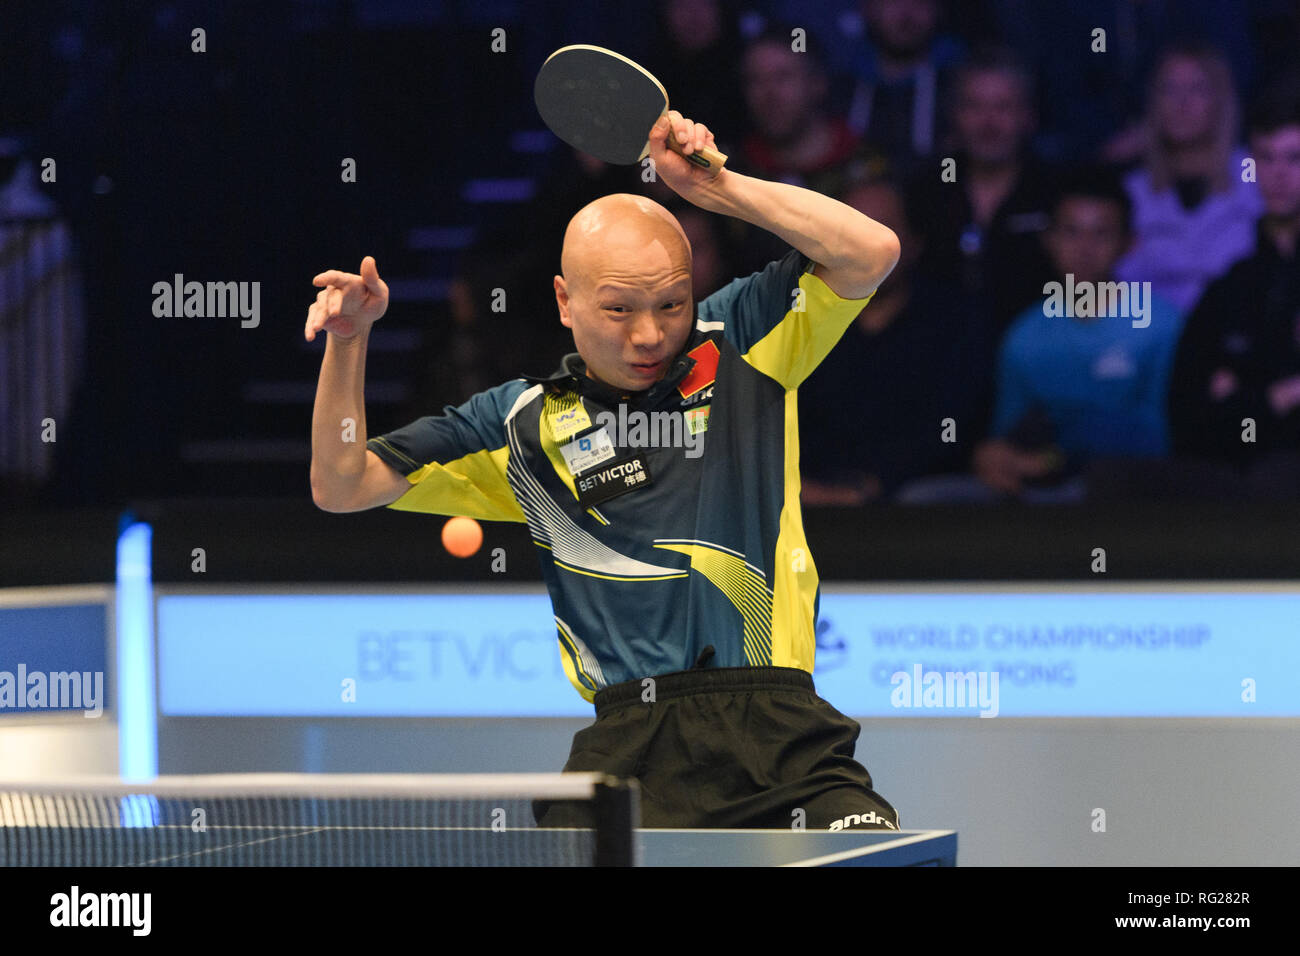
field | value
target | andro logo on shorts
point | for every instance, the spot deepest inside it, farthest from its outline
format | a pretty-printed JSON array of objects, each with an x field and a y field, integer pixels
[
  {"x": 705, "y": 372},
  {"x": 870, "y": 818},
  {"x": 612, "y": 480}
]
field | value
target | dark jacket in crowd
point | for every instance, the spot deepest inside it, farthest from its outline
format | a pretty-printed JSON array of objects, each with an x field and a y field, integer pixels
[{"x": 1247, "y": 322}]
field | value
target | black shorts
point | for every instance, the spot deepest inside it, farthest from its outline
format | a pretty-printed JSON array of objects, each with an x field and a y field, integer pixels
[{"x": 727, "y": 747}]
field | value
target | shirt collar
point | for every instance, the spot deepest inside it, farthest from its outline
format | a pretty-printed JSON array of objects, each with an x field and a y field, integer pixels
[{"x": 572, "y": 376}]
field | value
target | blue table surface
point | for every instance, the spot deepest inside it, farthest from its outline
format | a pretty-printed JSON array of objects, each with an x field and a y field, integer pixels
[{"x": 796, "y": 847}]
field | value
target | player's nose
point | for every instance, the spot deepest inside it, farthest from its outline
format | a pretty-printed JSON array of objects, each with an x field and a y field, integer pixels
[{"x": 645, "y": 330}]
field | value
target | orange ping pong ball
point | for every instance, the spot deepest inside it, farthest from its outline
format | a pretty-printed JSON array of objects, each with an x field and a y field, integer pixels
[{"x": 462, "y": 537}]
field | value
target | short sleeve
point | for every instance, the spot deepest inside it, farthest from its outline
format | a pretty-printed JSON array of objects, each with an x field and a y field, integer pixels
[
  {"x": 456, "y": 462},
  {"x": 783, "y": 320}
]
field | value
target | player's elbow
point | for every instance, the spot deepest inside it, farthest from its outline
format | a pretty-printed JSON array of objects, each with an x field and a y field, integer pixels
[
  {"x": 327, "y": 497},
  {"x": 876, "y": 252},
  {"x": 883, "y": 249},
  {"x": 322, "y": 500},
  {"x": 881, "y": 252}
]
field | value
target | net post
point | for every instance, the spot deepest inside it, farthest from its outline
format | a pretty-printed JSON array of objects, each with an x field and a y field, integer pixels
[{"x": 617, "y": 808}]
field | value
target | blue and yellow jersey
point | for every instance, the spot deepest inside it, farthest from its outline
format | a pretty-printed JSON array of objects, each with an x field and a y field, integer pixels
[{"x": 665, "y": 520}]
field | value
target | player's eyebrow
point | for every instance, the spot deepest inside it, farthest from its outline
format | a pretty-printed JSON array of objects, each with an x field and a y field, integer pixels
[{"x": 678, "y": 287}]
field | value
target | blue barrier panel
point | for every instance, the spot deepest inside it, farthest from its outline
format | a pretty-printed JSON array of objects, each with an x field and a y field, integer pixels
[
  {"x": 1058, "y": 652},
  {"x": 54, "y": 658}
]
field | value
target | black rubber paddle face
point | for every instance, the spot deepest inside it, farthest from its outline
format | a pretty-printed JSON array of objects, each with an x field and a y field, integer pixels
[{"x": 599, "y": 103}]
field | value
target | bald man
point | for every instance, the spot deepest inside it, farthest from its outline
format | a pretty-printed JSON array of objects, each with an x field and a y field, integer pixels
[{"x": 658, "y": 472}]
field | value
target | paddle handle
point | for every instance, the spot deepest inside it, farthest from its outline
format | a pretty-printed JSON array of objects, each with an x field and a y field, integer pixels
[{"x": 706, "y": 158}]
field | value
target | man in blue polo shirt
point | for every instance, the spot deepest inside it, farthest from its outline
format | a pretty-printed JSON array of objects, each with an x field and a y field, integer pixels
[
  {"x": 658, "y": 473},
  {"x": 1083, "y": 374}
]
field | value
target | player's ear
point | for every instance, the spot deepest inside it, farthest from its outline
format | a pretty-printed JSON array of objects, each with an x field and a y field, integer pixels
[{"x": 562, "y": 301}]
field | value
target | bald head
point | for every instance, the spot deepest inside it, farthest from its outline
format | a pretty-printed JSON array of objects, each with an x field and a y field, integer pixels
[
  {"x": 626, "y": 289},
  {"x": 615, "y": 231}
]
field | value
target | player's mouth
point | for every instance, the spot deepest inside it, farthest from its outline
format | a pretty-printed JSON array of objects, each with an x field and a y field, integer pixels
[{"x": 648, "y": 368}]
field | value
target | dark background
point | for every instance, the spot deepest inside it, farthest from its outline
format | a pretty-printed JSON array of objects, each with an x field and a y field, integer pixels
[{"x": 225, "y": 165}]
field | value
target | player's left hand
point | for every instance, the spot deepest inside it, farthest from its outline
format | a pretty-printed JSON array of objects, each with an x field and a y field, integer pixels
[{"x": 684, "y": 178}]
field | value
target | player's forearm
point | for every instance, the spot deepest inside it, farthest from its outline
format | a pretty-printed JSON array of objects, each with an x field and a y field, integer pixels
[
  {"x": 338, "y": 424},
  {"x": 853, "y": 248}
]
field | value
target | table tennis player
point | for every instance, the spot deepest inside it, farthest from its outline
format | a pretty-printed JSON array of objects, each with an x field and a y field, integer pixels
[{"x": 658, "y": 472}]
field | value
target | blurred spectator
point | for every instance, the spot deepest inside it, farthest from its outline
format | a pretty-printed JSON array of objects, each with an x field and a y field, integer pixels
[
  {"x": 842, "y": 26},
  {"x": 42, "y": 328},
  {"x": 1193, "y": 214},
  {"x": 697, "y": 57},
  {"x": 871, "y": 415},
  {"x": 1092, "y": 100},
  {"x": 795, "y": 138},
  {"x": 1085, "y": 385},
  {"x": 1239, "y": 357},
  {"x": 904, "y": 74},
  {"x": 982, "y": 217}
]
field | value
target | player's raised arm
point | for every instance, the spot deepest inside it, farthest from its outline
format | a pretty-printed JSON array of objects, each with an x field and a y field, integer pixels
[
  {"x": 853, "y": 252},
  {"x": 344, "y": 475}
]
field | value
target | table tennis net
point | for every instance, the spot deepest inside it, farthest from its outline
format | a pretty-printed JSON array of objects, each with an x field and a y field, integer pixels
[{"x": 317, "y": 820}]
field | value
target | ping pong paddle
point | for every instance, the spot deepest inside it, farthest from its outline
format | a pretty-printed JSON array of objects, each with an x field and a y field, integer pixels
[{"x": 605, "y": 105}]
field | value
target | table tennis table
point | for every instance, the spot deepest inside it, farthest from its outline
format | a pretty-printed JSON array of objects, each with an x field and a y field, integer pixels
[
  {"x": 797, "y": 848},
  {"x": 399, "y": 820},
  {"x": 378, "y": 846}
]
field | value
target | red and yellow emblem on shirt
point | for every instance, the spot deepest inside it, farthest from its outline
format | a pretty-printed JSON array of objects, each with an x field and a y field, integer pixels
[{"x": 705, "y": 372}]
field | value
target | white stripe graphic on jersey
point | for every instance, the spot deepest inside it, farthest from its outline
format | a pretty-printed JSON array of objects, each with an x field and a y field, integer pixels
[
  {"x": 549, "y": 524},
  {"x": 590, "y": 666},
  {"x": 526, "y": 396},
  {"x": 744, "y": 585}
]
